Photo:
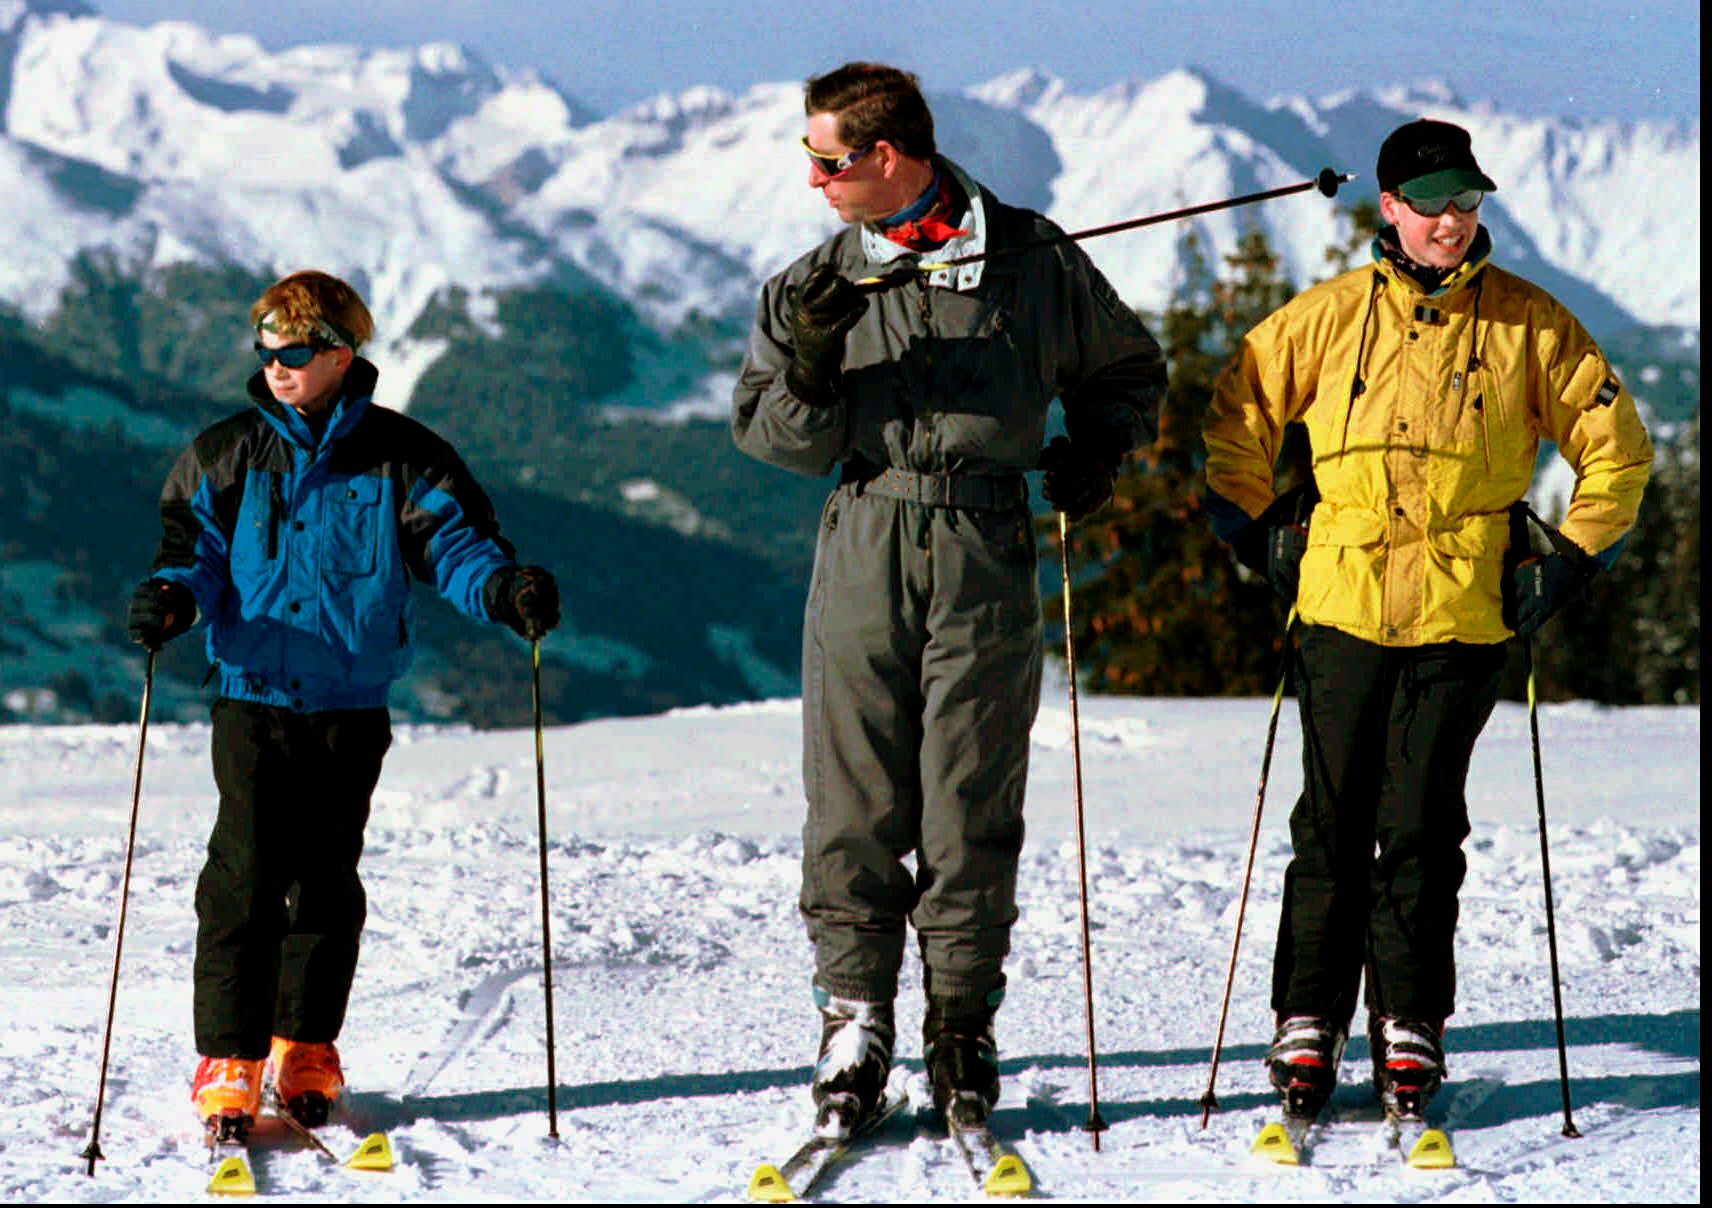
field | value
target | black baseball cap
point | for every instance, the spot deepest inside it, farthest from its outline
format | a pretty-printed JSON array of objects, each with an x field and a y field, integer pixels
[{"x": 1425, "y": 158}]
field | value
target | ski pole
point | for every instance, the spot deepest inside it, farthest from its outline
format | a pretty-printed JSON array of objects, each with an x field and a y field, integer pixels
[
  {"x": 1210, "y": 1101},
  {"x": 546, "y": 938},
  {"x": 92, "y": 1153},
  {"x": 1326, "y": 182},
  {"x": 1095, "y": 1125},
  {"x": 1569, "y": 1129}
]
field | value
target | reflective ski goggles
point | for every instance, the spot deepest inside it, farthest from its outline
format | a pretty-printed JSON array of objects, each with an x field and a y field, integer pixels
[
  {"x": 834, "y": 165},
  {"x": 1466, "y": 202},
  {"x": 292, "y": 356}
]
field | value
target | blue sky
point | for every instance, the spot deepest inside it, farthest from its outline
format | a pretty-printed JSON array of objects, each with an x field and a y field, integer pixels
[{"x": 1592, "y": 59}]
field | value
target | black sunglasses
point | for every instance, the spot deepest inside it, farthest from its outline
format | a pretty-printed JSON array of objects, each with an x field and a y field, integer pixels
[
  {"x": 292, "y": 356},
  {"x": 1466, "y": 202}
]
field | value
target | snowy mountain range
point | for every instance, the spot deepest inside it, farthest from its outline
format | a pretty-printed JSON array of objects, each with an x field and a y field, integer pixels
[
  {"x": 416, "y": 170},
  {"x": 539, "y": 271}
]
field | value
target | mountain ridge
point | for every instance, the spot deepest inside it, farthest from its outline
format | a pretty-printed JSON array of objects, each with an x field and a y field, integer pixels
[
  {"x": 419, "y": 169},
  {"x": 543, "y": 276}
]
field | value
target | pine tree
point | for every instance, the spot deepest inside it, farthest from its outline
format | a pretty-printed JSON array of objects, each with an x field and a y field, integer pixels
[
  {"x": 1161, "y": 607},
  {"x": 1635, "y": 638}
]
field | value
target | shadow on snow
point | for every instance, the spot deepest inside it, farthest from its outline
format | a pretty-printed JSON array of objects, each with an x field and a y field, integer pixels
[{"x": 1674, "y": 1036}]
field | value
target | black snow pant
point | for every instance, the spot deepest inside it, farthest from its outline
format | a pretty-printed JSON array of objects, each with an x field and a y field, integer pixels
[
  {"x": 279, "y": 906},
  {"x": 1387, "y": 736}
]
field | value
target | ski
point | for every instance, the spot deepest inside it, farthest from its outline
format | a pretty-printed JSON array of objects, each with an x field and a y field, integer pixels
[
  {"x": 373, "y": 1153},
  {"x": 227, "y": 1138},
  {"x": 1289, "y": 1140},
  {"x": 1421, "y": 1146},
  {"x": 806, "y": 1167},
  {"x": 1285, "y": 1141},
  {"x": 996, "y": 1168}
]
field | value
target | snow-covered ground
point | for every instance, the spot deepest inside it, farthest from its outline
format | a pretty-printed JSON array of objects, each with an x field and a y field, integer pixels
[{"x": 683, "y": 1023}]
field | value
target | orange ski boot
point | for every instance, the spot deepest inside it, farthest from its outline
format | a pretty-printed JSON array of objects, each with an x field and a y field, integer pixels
[
  {"x": 227, "y": 1092},
  {"x": 306, "y": 1078}
]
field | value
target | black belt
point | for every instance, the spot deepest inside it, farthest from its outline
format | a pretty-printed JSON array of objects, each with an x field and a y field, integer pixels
[{"x": 989, "y": 492}]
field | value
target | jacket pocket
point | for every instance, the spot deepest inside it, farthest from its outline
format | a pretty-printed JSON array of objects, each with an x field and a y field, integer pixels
[
  {"x": 1462, "y": 591},
  {"x": 1343, "y": 569},
  {"x": 352, "y": 520},
  {"x": 1485, "y": 537}
]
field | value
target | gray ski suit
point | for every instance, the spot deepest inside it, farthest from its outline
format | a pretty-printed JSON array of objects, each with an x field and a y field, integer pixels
[{"x": 922, "y": 637}]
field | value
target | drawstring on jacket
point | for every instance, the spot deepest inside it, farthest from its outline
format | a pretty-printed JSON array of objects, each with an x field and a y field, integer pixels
[
  {"x": 1474, "y": 364},
  {"x": 1358, "y": 385}
]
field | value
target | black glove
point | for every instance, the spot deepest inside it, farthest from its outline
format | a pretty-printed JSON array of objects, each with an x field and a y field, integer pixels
[
  {"x": 1540, "y": 587},
  {"x": 1272, "y": 544},
  {"x": 1077, "y": 483},
  {"x": 1285, "y": 546},
  {"x": 823, "y": 310},
  {"x": 160, "y": 611},
  {"x": 523, "y": 597}
]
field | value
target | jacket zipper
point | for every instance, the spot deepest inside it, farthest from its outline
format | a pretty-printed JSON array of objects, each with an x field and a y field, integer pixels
[{"x": 276, "y": 511}]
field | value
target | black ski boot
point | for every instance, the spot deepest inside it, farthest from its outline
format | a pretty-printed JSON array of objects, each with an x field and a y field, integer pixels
[
  {"x": 1303, "y": 1063},
  {"x": 855, "y": 1060},
  {"x": 962, "y": 1060},
  {"x": 1408, "y": 1063}
]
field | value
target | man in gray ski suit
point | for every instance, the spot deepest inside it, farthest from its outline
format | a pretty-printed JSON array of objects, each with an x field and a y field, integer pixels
[{"x": 922, "y": 638}]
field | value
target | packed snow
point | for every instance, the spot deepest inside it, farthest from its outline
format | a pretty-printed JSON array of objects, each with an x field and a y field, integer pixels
[{"x": 683, "y": 1022}]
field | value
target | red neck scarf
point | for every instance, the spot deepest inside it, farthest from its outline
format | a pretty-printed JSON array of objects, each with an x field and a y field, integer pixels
[{"x": 935, "y": 224}]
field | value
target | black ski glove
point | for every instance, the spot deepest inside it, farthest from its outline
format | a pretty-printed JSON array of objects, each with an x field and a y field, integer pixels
[
  {"x": 525, "y": 598},
  {"x": 1272, "y": 544},
  {"x": 1285, "y": 546},
  {"x": 823, "y": 310},
  {"x": 1541, "y": 587},
  {"x": 160, "y": 611},
  {"x": 1077, "y": 483}
]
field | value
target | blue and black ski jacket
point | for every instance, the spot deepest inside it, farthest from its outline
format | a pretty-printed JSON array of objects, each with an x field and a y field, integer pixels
[{"x": 298, "y": 550}]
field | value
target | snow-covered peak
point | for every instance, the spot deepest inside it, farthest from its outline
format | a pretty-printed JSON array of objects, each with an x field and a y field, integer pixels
[
  {"x": 701, "y": 103},
  {"x": 1021, "y": 89},
  {"x": 173, "y": 101},
  {"x": 13, "y": 12},
  {"x": 1430, "y": 93},
  {"x": 418, "y": 166}
]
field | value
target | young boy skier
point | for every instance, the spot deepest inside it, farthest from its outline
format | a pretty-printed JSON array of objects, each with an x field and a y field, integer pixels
[{"x": 289, "y": 532}]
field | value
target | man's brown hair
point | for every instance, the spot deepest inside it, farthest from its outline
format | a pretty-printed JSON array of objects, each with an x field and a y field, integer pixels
[
  {"x": 314, "y": 305},
  {"x": 874, "y": 102}
]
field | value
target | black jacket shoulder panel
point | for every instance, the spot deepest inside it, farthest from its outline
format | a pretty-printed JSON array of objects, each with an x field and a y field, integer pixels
[{"x": 218, "y": 446}]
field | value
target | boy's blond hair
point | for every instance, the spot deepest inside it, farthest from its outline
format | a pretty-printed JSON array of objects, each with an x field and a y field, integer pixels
[{"x": 314, "y": 305}]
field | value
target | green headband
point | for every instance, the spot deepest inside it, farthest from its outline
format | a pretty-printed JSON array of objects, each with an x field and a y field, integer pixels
[{"x": 326, "y": 330}]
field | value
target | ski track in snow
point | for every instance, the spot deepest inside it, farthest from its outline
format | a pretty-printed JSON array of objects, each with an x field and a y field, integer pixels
[{"x": 683, "y": 1026}]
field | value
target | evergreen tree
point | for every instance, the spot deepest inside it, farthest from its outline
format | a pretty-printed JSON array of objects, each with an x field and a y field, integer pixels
[
  {"x": 1635, "y": 638},
  {"x": 1161, "y": 607}
]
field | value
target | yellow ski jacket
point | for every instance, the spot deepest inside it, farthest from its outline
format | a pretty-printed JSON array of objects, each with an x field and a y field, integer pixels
[{"x": 1425, "y": 413}]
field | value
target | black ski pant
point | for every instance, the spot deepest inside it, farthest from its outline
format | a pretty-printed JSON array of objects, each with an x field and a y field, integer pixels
[
  {"x": 279, "y": 906},
  {"x": 1387, "y": 735}
]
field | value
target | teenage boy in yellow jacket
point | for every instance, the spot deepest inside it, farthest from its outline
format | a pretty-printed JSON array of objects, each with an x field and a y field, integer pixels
[{"x": 1426, "y": 382}]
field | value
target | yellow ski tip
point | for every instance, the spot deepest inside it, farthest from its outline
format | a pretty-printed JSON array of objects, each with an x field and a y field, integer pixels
[
  {"x": 375, "y": 1153},
  {"x": 232, "y": 1177},
  {"x": 1008, "y": 1177},
  {"x": 1274, "y": 1145},
  {"x": 1432, "y": 1152},
  {"x": 769, "y": 1186}
]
